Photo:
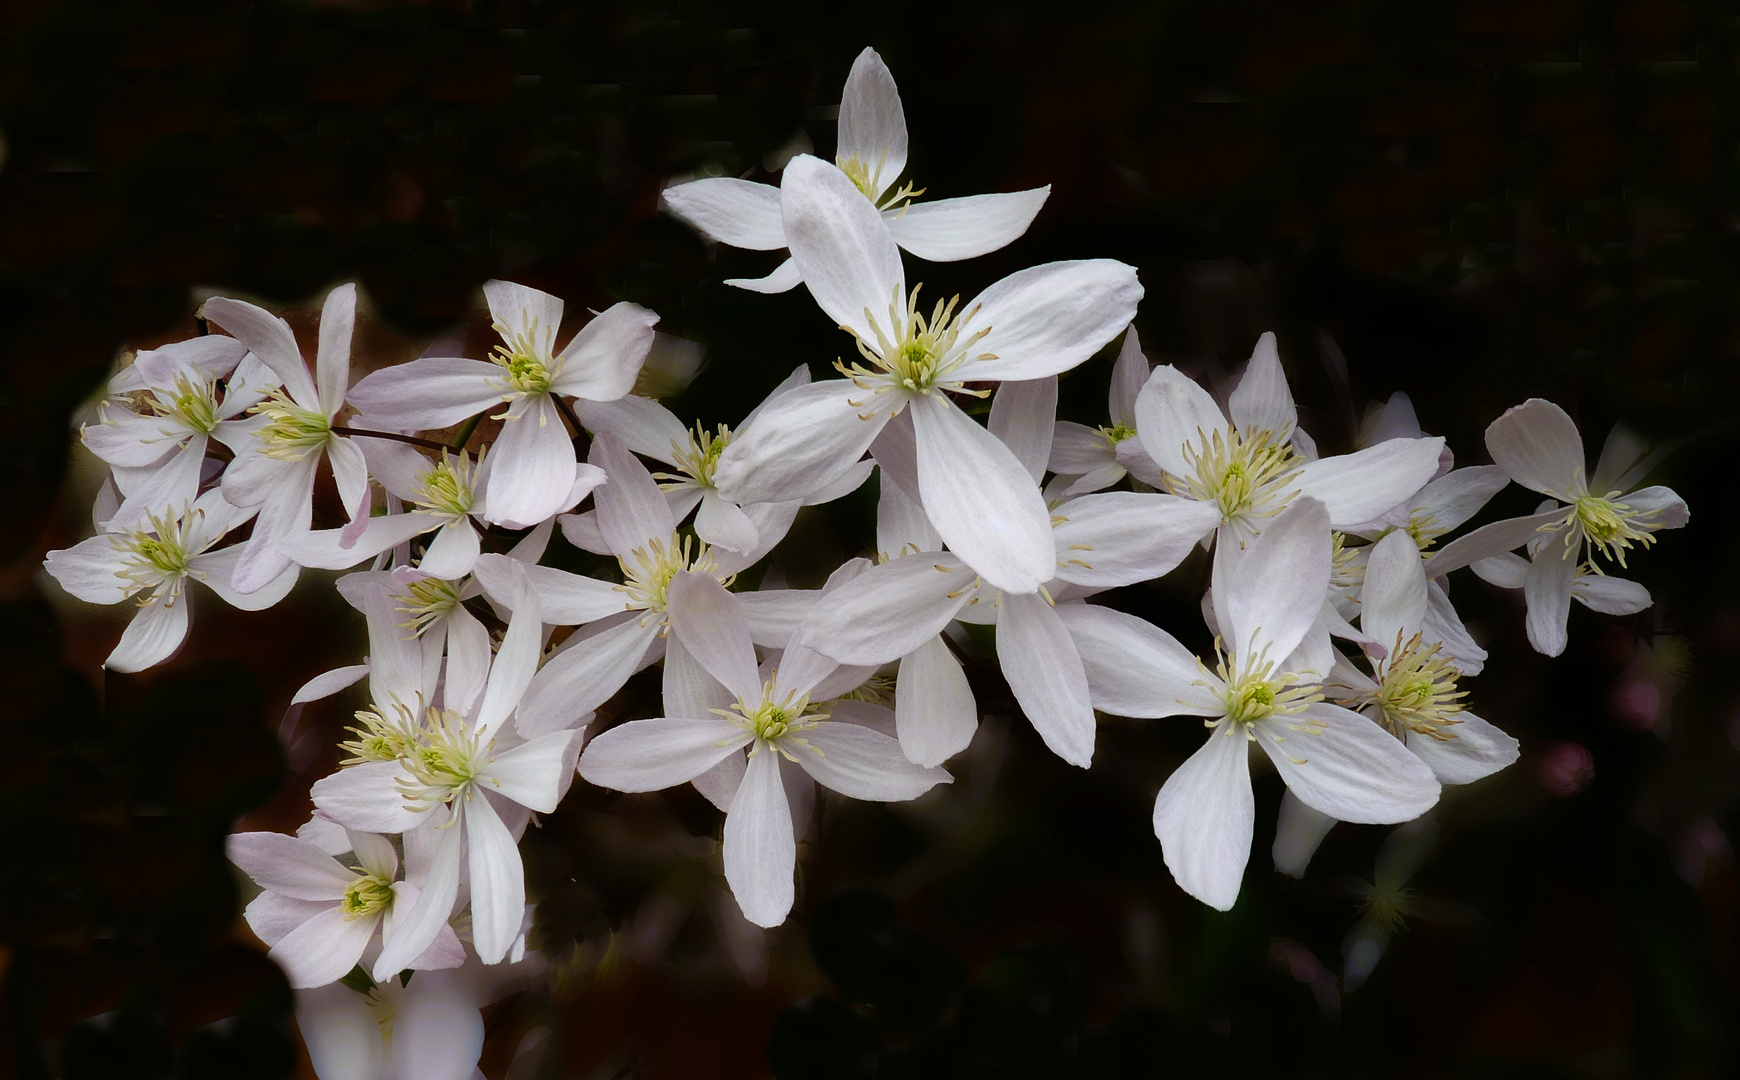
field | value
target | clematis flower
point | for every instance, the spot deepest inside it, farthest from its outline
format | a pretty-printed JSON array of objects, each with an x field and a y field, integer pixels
[
  {"x": 1030, "y": 325},
  {"x": 534, "y": 457},
  {"x": 872, "y": 155},
  {"x": 1598, "y": 592},
  {"x": 1093, "y": 457},
  {"x": 154, "y": 564},
  {"x": 320, "y": 916},
  {"x": 1244, "y": 462},
  {"x": 1266, "y": 598},
  {"x": 177, "y": 398},
  {"x": 1598, "y": 517},
  {"x": 773, "y": 717}
]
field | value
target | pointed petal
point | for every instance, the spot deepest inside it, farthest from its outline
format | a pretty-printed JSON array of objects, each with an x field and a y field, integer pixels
[
  {"x": 730, "y": 211},
  {"x": 1537, "y": 444},
  {"x": 1393, "y": 599},
  {"x": 688, "y": 690},
  {"x": 706, "y": 619},
  {"x": 1045, "y": 672},
  {"x": 366, "y": 797},
  {"x": 1077, "y": 450},
  {"x": 1047, "y": 319},
  {"x": 1620, "y": 455},
  {"x": 1133, "y": 667},
  {"x": 872, "y": 121},
  {"x": 532, "y": 773},
  {"x": 1204, "y": 817},
  {"x": 1262, "y": 401},
  {"x": 1121, "y": 537},
  {"x": 605, "y": 357},
  {"x": 434, "y": 392},
  {"x": 269, "y": 338},
  {"x": 1172, "y": 411},
  {"x": 153, "y": 635},
  {"x": 785, "y": 277},
  {"x": 651, "y": 755},
  {"x": 841, "y": 246},
  {"x": 287, "y": 511},
  {"x": 498, "y": 881},
  {"x": 90, "y": 569},
  {"x": 760, "y": 850},
  {"x": 323, "y": 949},
  {"x": 1459, "y": 494},
  {"x": 332, "y": 356},
  {"x": 632, "y": 512},
  {"x": 1476, "y": 749},
  {"x": 641, "y": 424},
  {"x": 532, "y": 468},
  {"x": 722, "y": 524},
  {"x": 171, "y": 486},
  {"x": 1023, "y": 415},
  {"x": 1277, "y": 586},
  {"x": 1491, "y": 541},
  {"x": 1360, "y": 486},
  {"x": 1610, "y": 595},
  {"x": 324, "y": 549},
  {"x": 437, "y": 881},
  {"x": 329, "y": 683},
  {"x": 1444, "y": 625},
  {"x": 948, "y": 230},
  {"x": 579, "y": 679},
  {"x": 516, "y": 660},
  {"x": 1129, "y": 375},
  {"x": 889, "y": 610},
  {"x": 863, "y": 764},
  {"x": 933, "y": 705},
  {"x": 901, "y": 526},
  {"x": 1347, "y": 767},
  {"x": 1548, "y": 590},
  {"x": 288, "y": 866},
  {"x": 1298, "y": 832},
  {"x": 564, "y": 599}
]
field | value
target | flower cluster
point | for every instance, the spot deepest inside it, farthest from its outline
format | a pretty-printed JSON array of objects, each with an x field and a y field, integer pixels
[{"x": 1337, "y": 649}]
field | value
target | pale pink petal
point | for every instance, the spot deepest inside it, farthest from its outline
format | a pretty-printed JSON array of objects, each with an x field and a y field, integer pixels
[
  {"x": 1262, "y": 400},
  {"x": 324, "y": 948},
  {"x": 651, "y": 755},
  {"x": 706, "y": 619},
  {"x": 1537, "y": 444},
  {"x": 288, "y": 865},
  {"x": 532, "y": 467},
  {"x": 269, "y": 338},
  {"x": 1548, "y": 587},
  {"x": 498, "y": 881},
  {"x": 332, "y": 355},
  {"x": 889, "y": 610},
  {"x": 434, "y": 392},
  {"x": 579, "y": 679},
  {"x": 632, "y": 512},
  {"x": 605, "y": 357},
  {"x": 153, "y": 635},
  {"x": 760, "y": 849}
]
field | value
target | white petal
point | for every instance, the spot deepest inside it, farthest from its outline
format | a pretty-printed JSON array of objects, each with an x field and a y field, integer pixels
[
  {"x": 980, "y": 499},
  {"x": 850, "y": 479},
  {"x": 1262, "y": 400},
  {"x": 532, "y": 773},
  {"x": 1393, "y": 599},
  {"x": 437, "y": 881},
  {"x": 731, "y": 211},
  {"x": 1122, "y": 537},
  {"x": 1444, "y": 625},
  {"x": 706, "y": 619},
  {"x": 288, "y": 866},
  {"x": 325, "y": 549},
  {"x": 434, "y": 392},
  {"x": 802, "y": 438},
  {"x": 1538, "y": 446},
  {"x": 453, "y": 553},
  {"x": 340, "y": 1032},
  {"x": 1459, "y": 494},
  {"x": 1350, "y": 769},
  {"x": 90, "y": 569},
  {"x": 632, "y": 512},
  {"x": 719, "y": 784},
  {"x": 651, "y": 755},
  {"x": 564, "y": 599},
  {"x": 269, "y": 339},
  {"x": 889, "y": 610},
  {"x": 532, "y": 467},
  {"x": 1659, "y": 506},
  {"x": 772, "y": 521},
  {"x": 1045, "y": 672},
  {"x": 1610, "y": 595},
  {"x": 641, "y": 424},
  {"x": 863, "y": 764},
  {"x": 933, "y": 705},
  {"x": 331, "y": 682},
  {"x": 841, "y": 246},
  {"x": 901, "y": 525},
  {"x": 323, "y": 949},
  {"x": 1548, "y": 589},
  {"x": 1621, "y": 454},
  {"x": 272, "y": 916},
  {"x": 1172, "y": 411},
  {"x": 467, "y": 662},
  {"x": 438, "y": 1032},
  {"x": 1077, "y": 450},
  {"x": 579, "y": 679},
  {"x": 785, "y": 277},
  {"x": 498, "y": 881},
  {"x": 1129, "y": 375},
  {"x": 872, "y": 121},
  {"x": 210, "y": 356},
  {"x": 444, "y": 949},
  {"x": 366, "y": 797},
  {"x": 1298, "y": 832},
  {"x": 1476, "y": 749},
  {"x": 1204, "y": 817},
  {"x": 948, "y": 230},
  {"x": 1133, "y": 667},
  {"x": 773, "y": 615},
  {"x": 1022, "y": 417},
  {"x": 895, "y": 451},
  {"x": 522, "y": 309},
  {"x": 1490, "y": 541},
  {"x": 605, "y": 357},
  {"x": 1358, "y": 487},
  {"x": 760, "y": 850},
  {"x": 171, "y": 486},
  {"x": 155, "y": 633},
  {"x": 688, "y": 690},
  {"x": 1272, "y": 592},
  {"x": 1047, "y": 319},
  {"x": 721, "y": 523},
  {"x": 287, "y": 511},
  {"x": 516, "y": 660},
  {"x": 332, "y": 357},
  {"x": 125, "y": 438}
]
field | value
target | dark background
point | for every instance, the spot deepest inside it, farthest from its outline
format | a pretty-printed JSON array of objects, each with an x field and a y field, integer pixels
[{"x": 1475, "y": 203}]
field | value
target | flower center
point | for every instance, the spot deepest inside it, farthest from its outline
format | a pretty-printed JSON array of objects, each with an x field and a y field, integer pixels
[
  {"x": 443, "y": 759},
  {"x": 1347, "y": 563},
  {"x": 1257, "y": 691},
  {"x": 876, "y": 690},
  {"x": 1417, "y": 692},
  {"x": 656, "y": 565},
  {"x": 159, "y": 554},
  {"x": 292, "y": 432},
  {"x": 1608, "y": 525},
  {"x": 698, "y": 458},
  {"x": 193, "y": 405},
  {"x": 424, "y": 601},
  {"x": 1424, "y": 528},
  {"x": 1245, "y": 475},
  {"x": 379, "y": 738},
  {"x": 776, "y": 720},
  {"x": 1116, "y": 433},
  {"x": 524, "y": 356},
  {"x": 447, "y": 486},
  {"x": 867, "y": 179},
  {"x": 917, "y": 353},
  {"x": 365, "y": 896}
]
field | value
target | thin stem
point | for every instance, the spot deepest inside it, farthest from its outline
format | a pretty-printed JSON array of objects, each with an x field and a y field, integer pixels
[
  {"x": 428, "y": 444},
  {"x": 582, "y": 441},
  {"x": 465, "y": 431}
]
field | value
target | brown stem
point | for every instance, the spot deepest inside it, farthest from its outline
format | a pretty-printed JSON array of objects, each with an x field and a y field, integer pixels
[
  {"x": 582, "y": 441},
  {"x": 427, "y": 444}
]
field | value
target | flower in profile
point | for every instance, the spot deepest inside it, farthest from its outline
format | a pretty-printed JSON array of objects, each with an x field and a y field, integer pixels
[
  {"x": 1094, "y": 457},
  {"x": 872, "y": 155}
]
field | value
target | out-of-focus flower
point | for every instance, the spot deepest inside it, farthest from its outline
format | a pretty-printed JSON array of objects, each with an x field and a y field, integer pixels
[{"x": 1565, "y": 768}]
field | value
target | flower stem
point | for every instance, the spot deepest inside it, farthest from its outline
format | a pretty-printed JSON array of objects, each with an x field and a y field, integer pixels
[
  {"x": 465, "y": 431},
  {"x": 428, "y": 444}
]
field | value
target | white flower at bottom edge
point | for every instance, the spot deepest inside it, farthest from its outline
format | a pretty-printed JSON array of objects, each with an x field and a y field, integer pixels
[{"x": 773, "y": 717}]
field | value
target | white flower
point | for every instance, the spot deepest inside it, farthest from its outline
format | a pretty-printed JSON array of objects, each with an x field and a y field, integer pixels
[
  {"x": 1598, "y": 517},
  {"x": 320, "y": 916},
  {"x": 771, "y": 714},
  {"x": 172, "y": 402},
  {"x": 1244, "y": 461},
  {"x": 153, "y": 564},
  {"x": 535, "y": 454},
  {"x": 291, "y": 431},
  {"x": 1093, "y": 457},
  {"x": 1030, "y": 325},
  {"x": 872, "y": 154},
  {"x": 1266, "y": 598},
  {"x": 1598, "y": 592}
]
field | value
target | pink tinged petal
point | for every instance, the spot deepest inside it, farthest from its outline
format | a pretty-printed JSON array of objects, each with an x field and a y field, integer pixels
[
  {"x": 533, "y": 467},
  {"x": 641, "y": 424},
  {"x": 651, "y": 755},
  {"x": 1538, "y": 446},
  {"x": 525, "y": 310},
  {"x": 1547, "y": 587},
  {"x": 89, "y": 571},
  {"x": 760, "y": 849},
  {"x": 980, "y": 499},
  {"x": 271, "y": 916},
  {"x": 1660, "y": 506},
  {"x": 1047, "y": 319},
  {"x": 516, "y": 661},
  {"x": 1476, "y": 750},
  {"x": 1172, "y": 411},
  {"x": 1204, "y": 817},
  {"x": 127, "y": 439},
  {"x": 1393, "y": 600},
  {"x": 444, "y": 953},
  {"x": 1122, "y": 537},
  {"x": 1077, "y": 450},
  {"x": 453, "y": 553},
  {"x": 340, "y": 1032},
  {"x": 706, "y": 620},
  {"x": 170, "y": 487},
  {"x": 772, "y": 521},
  {"x": 1022, "y": 417},
  {"x": 351, "y": 472},
  {"x": 773, "y": 615},
  {"x": 211, "y": 356},
  {"x": 286, "y": 512},
  {"x": 332, "y": 357},
  {"x": 581, "y": 678},
  {"x": 1270, "y": 595},
  {"x": 152, "y": 637},
  {"x": 324, "y": 948},
  {"x": 934, "y": 710},
  {"x": 688, "y": 690},
  {"x": 498, "y": 881},
  {"x": 269, "y": 338},
  {"x": 730, "y": 211},
  {"x": 247, "y": 385},
  {"x": 325, "y": 549},
  {"x": 803, "y": 438},
  {"x": 467, "y": 661},
  {"x": 1262, "y": 400},
  {"x": 366, "y": 797},
  {"x": 948, "y": 230},
  {"x": 1134, "y": 668},
  {"x": 719, "y": 784},
  {"x": 425, "y": 914},
  {"x": 331, "y": 682},
  {"x": 1490, "y": 541},
  {"x": 863, "y": 764},
  {"x": 564, "y": 599},
  {"x": 841, "y": 245},
  {"x": 1129, "y": 375},
  {"x": 397, "y": 467},
  {"x": 632, "y": 512},
  {"x": 434, "y": 392},
  {"x": 438, "y": 1032},
  {"x": 288, "y": 866},
  {"x": 1458, "y": 495},
  {"x": 532, "y": 773},
  {"x": 1610, "y": 595},
  {"x": 374, "y": 853},
  {"x": 605, "y": 357},
  {"x": 253, "y": 477},
  {"x": 1046, "y": 674},
  {"x": 1360, "y": 486},
  {"x": 890, "y": 610},
  {"x": 1444, "y": 625},
  {"x": 1352, "y": 770},
  {"x": 722, "y": 524},
  {"x": 785, "y": 277},
  {"x": 1298, "y": 832},
  {"x": 872, "y": 120}
]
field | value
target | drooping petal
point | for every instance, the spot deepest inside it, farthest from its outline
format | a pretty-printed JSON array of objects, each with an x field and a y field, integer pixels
[
  {"x": 269, "y": 338},
  {"x": 532, "y": 467},
  {"x": 872, "y": 121},
  {"x": 434, "y": 392},
  {"x": 532, "y": 773},
  {"x": 1444, "y": 625},
  {"x": 1358, "y": 487},
  {"x": 1133, "y": 667},
  {"x": 155, "y": 633},
  {"x": 579, "y": 679},
  {"x": 1347, "y": 767},
  {"x": 802, "y": 438},
  {"x": 889, "y": 610},
  {"x": 605, "y": 357},
  {"x": 784, "y": 278},
  {"x": 332, "y": 355},
  {"x": 1045, "y": 672},
  {"x": 841, "y": 246},
  {"x": 437, "y": 881},
  {"x": 1262, "y": 400},
  {"x": 1172, "y": 412},
  {"x": 453, "y": 553},
  {"x": 350, "y": 471},
  {"x": 366, "y": 797},
  {"x": 641, "y": 424},
  {"x": 1204, "y": 818},
  {"x": 498, "y": 881},
  {"x": 731, "y": 211},
  {"x": 705, "y": 618},
  {"x": 948, "y": 230},
  {"x": 1122, "y": 537},
  {"x": 288, "y": 866},
  {"x": 863, "y": 764},
  {"x": 1393, "y": 599},
  {"x": 90, "y": 569},
  {"x": 324, "y": 948},
  {"x": 1476, "y": 749},
  {"x": 1548, "y": 590},
  {"x": 516, "y": 661},
  {"x": 467, "y": 661},
  {"x": 760, "y": 850},
  {"x": 1047, "y": 319},
  {"x": 1610, "y": 595},
  {"x": 438, "y": 1031},
  {"x": 1272, "y": 592},
  {"x": 1022, "y": 417},
  {"x": 934, "y": 709},
  {"x": 1537, "y": 444},
  {"x": 1298, "y": 832}
]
